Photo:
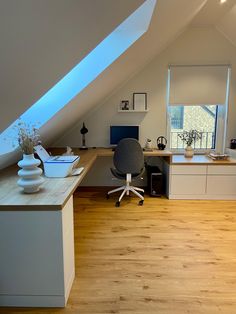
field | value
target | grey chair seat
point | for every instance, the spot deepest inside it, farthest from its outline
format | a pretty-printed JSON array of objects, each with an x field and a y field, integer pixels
[{"x": 122, "y": 176}]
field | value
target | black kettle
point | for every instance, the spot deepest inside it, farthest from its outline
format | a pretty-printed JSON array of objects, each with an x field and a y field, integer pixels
[{"x": 161, "y": 142}]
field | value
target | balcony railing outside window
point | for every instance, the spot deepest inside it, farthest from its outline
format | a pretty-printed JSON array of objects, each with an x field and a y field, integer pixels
[{"x": 207, "y": 141}]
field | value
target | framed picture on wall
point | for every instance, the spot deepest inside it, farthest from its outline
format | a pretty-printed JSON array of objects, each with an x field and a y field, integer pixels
[
  {"x": 124, "y": 105},
  {"x": 140, "y": 101}
]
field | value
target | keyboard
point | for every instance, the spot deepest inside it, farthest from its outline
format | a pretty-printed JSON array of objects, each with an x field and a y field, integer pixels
[{"x": 77, "y": 171}]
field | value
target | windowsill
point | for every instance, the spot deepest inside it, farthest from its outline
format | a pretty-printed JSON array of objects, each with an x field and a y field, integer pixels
[{"x": 196, "y": 152}]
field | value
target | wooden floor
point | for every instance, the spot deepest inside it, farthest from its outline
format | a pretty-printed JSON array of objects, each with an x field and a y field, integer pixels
[{"x": 163, "y": 257}]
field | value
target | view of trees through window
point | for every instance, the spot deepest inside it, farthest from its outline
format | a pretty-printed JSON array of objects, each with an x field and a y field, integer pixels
[{"x": 201, "y": 118}]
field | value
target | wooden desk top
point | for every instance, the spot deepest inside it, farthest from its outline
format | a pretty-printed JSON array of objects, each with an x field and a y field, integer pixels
[
  {"x": 54, "y": 192},
  {"x": 200, "y": 160}
]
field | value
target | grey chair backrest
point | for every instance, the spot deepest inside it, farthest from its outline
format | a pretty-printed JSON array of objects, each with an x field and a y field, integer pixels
[{"x": 128, "y": 156}]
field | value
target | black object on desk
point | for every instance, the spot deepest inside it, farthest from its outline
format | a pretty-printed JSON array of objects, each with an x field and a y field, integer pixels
[
  {"x": 233, "y": 143},
  {"x": 161, "y": 142},
  {"x": 83, "y": 131}
]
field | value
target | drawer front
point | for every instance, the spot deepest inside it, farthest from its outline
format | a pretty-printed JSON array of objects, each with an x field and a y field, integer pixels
[
  {"x": 189, "y": 169},
  {"x": 188, "y": 184},
  {"x": 231, "y": 170},
  {"x": 221, "y": 185}
]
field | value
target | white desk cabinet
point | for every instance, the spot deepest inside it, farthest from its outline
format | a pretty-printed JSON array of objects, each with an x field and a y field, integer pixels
[
  {"x": 187, "y": 181},
  {"x": 221, "y": 180},
  {"x": 221, "y": 170},
  {"x": 221, "y": 185},
  {"x": 188, "y": 184},
  {"x": 188, "y": 170},
  {"x": 37, "y": 257},
  {"x": 202, "y": 181}
]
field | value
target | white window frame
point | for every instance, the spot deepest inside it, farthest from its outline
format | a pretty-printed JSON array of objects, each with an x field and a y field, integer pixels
[{"x": 221, "y": 123}]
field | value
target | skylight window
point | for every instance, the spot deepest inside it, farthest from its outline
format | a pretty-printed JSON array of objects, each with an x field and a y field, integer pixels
[{"x": 114, "y": 45}]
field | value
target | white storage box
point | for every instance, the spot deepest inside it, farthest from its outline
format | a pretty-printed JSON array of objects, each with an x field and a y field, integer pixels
[{"x": 56, "y": 166}]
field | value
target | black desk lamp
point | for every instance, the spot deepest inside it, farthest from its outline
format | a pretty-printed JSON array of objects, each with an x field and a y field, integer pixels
[{"x": 83, "y": 131}]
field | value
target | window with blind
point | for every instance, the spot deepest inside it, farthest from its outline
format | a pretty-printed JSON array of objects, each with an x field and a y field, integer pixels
[{"x": 198, "y": 99}]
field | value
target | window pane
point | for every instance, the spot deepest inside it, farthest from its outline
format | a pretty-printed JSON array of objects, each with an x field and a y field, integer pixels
[
  {"x": 177, "y": 114},
  {"x": 200, "y": 118}
]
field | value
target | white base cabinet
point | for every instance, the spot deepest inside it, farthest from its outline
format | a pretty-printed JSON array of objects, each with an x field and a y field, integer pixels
[
  {"x": 221, "y": 180},
  {"x": 37, "y": 257},
  {"x": 221, "y": 185},
  {"x": 188, "y": 184},
  {"x": 202, "y": 182}
]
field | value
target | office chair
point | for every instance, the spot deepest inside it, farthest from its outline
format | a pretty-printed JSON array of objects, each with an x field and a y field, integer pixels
[{"x": 129, "y": 164}]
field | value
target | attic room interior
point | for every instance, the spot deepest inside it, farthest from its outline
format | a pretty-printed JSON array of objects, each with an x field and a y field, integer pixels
[{"x": 131, "y": 95}]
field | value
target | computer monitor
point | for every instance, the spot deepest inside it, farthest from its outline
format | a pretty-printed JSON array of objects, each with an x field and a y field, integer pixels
[{"x": 118, "y": 132}]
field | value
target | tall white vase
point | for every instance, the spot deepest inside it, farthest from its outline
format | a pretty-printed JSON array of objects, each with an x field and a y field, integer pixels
[{"x": 30, "y": 174}]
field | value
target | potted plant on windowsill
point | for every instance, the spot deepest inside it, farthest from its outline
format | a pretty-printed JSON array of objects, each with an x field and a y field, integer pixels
[
  {"x": 189, "y": 137},
  {"x": 30, "y": 174}
]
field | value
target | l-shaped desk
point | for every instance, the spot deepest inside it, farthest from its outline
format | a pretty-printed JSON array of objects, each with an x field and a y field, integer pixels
[{"x": 36, "y": 231}]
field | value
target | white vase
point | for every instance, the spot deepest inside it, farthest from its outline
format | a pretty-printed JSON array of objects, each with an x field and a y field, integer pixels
[
  {"x": 148, "y": 145},
  {"x": 189, "y": 152},
  {"x": 30, "y": 174}
]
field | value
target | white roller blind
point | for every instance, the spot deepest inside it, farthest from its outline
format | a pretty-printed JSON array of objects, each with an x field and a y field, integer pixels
[{"x": 196, "y": 85}]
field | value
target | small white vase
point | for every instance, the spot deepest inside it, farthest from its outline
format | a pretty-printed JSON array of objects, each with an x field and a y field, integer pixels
[
  {"x": 148, "y": 145},
  {"x": 189, "y": 152},
  {"x": 30, "y": 174}
]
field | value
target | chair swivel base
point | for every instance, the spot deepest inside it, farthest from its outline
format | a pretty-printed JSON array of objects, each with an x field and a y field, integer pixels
[{"x": 126, "y": 190}]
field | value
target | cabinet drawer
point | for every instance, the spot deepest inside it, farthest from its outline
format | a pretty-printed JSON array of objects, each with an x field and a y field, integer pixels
[
  {"x": 188, "y": 184},
  {"x": 189, "y": 169},
  {"x": 221, "y": 185},
  {"x": 222, "y": 170}
]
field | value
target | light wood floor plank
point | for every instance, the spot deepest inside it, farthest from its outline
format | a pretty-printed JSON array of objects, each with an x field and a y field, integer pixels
[{"x": 167, "y": 256}]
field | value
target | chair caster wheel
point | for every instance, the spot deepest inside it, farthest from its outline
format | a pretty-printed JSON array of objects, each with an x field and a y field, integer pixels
[
  {"x": 140, "y": 203},
  {"x": 107, "y": 196},
  {"x": 117, "y": 204}
]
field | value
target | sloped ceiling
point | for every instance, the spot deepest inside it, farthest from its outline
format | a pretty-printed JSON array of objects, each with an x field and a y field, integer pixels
[
  {"x": 212, "y": 12},
  {"x": 42, "y": 40},
  {"x": 222, "y": 16},
  {"x": 227, "y": 25}
]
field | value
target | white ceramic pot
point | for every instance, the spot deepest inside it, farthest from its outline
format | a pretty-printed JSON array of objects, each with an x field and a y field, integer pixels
[
  {"x": 30, "y": 174},
  {"x": 148, "y": 145},
  {"x": 189, "y": 152}
]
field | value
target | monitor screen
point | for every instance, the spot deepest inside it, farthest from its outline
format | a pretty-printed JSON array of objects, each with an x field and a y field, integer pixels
[{"x": 118, "y": 132}]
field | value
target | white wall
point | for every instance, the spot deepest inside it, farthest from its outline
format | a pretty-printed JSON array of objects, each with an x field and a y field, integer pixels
[{"x": 194, "y": 46}]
